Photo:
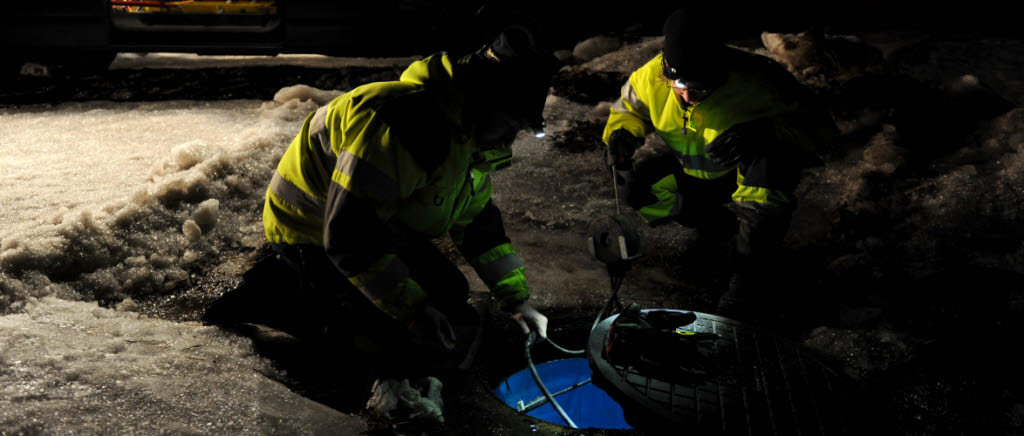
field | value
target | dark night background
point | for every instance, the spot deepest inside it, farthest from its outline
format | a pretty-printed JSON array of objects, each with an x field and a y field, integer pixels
[{"x": 906, "y": 257}]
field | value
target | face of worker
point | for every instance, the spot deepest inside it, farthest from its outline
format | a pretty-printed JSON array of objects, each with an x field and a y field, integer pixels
[
  {"x": 498, "y": 128},
  {"x": 690, "y": 95},
  {"x": 684, "y": 95}
]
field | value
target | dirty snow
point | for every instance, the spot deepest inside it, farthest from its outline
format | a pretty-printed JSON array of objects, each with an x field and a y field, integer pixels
[{"x": 75, "y": 368}]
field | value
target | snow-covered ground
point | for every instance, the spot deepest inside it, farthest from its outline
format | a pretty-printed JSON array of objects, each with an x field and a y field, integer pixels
[
  {"x": 105, "y": 202},
  {"x": 109, "y": 205}
]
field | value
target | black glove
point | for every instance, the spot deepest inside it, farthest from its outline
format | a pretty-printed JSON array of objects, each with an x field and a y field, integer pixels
[
  {"x": 739, "y": 143},
  {"x": 621, "y": 147}
]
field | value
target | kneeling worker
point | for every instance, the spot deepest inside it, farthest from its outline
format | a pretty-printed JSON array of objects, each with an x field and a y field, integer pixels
[
  {"x": 378, "y": 172},
  {"x": 740, "y": 129}
]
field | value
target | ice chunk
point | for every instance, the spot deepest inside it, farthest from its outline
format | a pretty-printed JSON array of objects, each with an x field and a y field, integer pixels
[
  {"x": 192, "y": 231},
  {"x": 206, "y": 215},
  {"x": 596, "y": 46},
  {"x": 305, "y": 92},
  {"x": 187, "y": 155}
]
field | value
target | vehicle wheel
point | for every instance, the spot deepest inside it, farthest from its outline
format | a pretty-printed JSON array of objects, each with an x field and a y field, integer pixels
[
  {"x": 80, "y": 64},
  {"x": 10, "y": 68}
]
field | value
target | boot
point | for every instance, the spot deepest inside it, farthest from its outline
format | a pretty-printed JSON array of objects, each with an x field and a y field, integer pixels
[
  {"x": 741, "y": 300},
  {"x": 716, "y": 228},
  {"x": 760, "y": 235}
]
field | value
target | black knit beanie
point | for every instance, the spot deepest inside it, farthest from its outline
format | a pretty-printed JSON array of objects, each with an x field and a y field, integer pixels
[{"x": 694, "y": 49}]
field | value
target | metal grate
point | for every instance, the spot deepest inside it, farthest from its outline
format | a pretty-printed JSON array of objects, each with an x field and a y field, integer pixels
[{"x": 748, "y": 382}]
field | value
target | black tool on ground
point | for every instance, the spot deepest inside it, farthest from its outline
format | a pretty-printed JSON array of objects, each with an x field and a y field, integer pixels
[
  {"x": 658, "y": 344},
  {"x": 615, "y": 241}
]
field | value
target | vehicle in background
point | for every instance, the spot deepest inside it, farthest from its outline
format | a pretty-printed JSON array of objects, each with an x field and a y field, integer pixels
[{"x": 83, "y": 36}]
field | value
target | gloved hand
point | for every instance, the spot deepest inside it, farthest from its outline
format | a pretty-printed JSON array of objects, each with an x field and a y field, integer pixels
[
  {"x": 621, "y": 147},
  {"x": 431, "y": 329},
  {"x": 739, "y": 142},
  {"x": 530, "y": 319}
]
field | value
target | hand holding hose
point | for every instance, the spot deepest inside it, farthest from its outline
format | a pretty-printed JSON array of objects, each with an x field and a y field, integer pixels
[{"x": 529, "y": 319}]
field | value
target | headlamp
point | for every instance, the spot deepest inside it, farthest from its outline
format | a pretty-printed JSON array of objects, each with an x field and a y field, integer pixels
[{"x": 697, "y": 91}]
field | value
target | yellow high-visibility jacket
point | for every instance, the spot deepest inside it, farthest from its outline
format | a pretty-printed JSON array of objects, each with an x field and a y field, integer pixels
[
  {"x": 385, "y": 162},
  {"x": 755, "y": 89}
]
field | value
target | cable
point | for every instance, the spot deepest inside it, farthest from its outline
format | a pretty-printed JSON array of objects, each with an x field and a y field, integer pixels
[
  {"x": 566, "y": 351},
  {"x": 544, "y": 389},
  {"x": 617, "y": 276},
  {"x": 616, "y": 284}
]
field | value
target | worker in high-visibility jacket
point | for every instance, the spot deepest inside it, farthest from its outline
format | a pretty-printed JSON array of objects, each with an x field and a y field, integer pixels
[
  {"x": 740, "y": 129},
  {"x": 378, "y": 172}
]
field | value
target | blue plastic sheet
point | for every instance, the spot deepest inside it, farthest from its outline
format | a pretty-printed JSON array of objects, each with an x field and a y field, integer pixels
[{"x": 588, "y": 406}]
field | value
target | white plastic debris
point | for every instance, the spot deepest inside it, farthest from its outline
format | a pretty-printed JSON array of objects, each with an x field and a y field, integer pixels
[{"x": 394, "y": 399}]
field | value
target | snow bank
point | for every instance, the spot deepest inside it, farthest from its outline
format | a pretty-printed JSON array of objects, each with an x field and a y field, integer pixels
[{"x": 112, "y": 218}]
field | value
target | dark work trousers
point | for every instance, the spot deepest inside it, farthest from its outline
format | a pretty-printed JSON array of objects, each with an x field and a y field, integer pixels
[{"x": 337, "y": 308}]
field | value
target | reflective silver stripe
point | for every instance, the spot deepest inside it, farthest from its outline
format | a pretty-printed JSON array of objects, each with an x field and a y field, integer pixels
[
  {"x": 487, "y": 180},
  {"x": 761, "y": 208},
  {"x": 293, "y": 195},
  {"x": 629, "y": 96},
  {"x": 321, "y": 138},
  {"x": 384, "y": 283},
  {"x": 677, "y": 207},
  {"x": 368, "y": 178},
  {"x": 494, "y": 271},
  {"x": 700, "y": 163}
]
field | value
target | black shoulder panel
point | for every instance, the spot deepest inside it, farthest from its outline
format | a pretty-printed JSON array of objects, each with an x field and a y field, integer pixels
[{"x": 420, "y": 126}]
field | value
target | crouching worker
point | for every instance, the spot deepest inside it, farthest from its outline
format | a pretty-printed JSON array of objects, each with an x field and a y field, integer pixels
[
  {"x": 740, "y": 130},
  {"x": 378, "y": 172}
]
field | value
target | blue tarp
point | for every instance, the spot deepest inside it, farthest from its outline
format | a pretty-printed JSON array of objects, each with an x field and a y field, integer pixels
[{"x": 588, "y": 405}]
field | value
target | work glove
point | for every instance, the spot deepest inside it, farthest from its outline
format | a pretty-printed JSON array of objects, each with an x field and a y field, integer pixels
[
  {"x": 431, "y": 329},
  {"x": 530, "y": 319},
  {"x": 739, "y": 143},
  {"x": 621, "y": 147}
]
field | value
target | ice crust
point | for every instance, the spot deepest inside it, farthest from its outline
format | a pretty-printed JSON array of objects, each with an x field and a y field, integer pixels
[{"x": 70, "y": 367}]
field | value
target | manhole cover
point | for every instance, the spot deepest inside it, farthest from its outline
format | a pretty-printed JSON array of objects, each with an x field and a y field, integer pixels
[{"x": 740, "y": 380}]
